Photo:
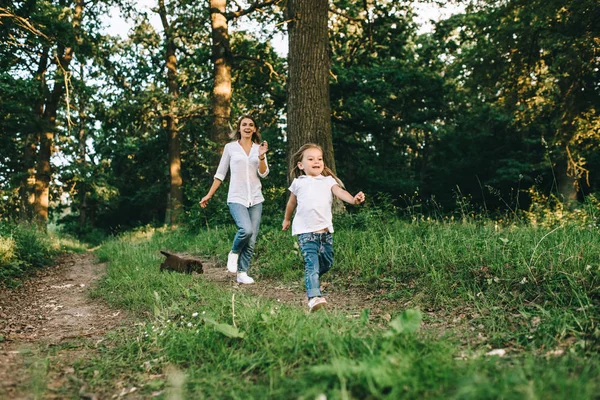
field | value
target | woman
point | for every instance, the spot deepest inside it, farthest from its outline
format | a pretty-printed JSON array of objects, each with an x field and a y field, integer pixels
[{"x": 246, "y": 157}]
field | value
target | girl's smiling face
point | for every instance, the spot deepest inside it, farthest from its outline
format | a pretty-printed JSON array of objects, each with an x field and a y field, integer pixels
[
  {"x": 312, "y": 162},
  {"x": 247, "y": 128}
]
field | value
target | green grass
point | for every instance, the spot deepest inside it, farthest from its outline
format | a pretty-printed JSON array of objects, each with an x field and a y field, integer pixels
[{"x": 531, "y": 291}]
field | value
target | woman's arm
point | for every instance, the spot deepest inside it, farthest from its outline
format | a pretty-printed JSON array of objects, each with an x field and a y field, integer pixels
[
  {"x": 211, "y": 192},
  {"x": 289, "y": 210},
  {"x": 219, "y": 176},
  {"x": 263, "y": 168},
  {"x": 347, "y": 197}
]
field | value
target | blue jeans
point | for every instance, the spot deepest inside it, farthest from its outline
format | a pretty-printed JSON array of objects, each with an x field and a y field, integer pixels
[
  {"x": 317, "y": 250},
  {"x": 247, "y": 219}
]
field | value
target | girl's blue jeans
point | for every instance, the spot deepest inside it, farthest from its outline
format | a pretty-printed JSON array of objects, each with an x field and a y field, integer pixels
[
  {"x": 247, "y": 219},
  {"x": 317, "y": 250}
]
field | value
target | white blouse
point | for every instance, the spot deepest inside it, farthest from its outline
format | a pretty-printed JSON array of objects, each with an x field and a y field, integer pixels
[{"x": 244, "y": 186}]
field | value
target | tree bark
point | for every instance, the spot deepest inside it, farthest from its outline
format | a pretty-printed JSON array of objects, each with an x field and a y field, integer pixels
[
  {"x": 27, "y": 185},
  {"x": 308, "y": 109},
  {"x": 175, "y": 203},
  {"x": 221, "y": 55},
  {"x": 44, "y": 168},
  {"x": 81, "y": 156}
]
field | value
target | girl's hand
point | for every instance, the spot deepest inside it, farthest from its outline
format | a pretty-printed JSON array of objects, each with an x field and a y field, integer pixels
[
  {"x": 285, "y": 225},
  {"x": 359, "y": 198},
  {"x": 204, "y": 201},
  {"x": 264, "y": 147}
]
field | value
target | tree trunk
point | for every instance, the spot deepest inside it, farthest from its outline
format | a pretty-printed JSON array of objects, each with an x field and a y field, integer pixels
[
  {"x": 567, "y": 184},
  {"x": 81, "y": 157},
  {"x": 44, "y": 169},
  {"x": 175, "y": 205},
  {"x": 27, "y": 185},
  {"x": 221, "y": 55},
  {"x": 308, "y": 110}
]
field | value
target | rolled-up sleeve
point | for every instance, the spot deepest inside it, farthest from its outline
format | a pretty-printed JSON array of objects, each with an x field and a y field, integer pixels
[
  {"x": 266, "y": 170},
  {"x": 223, "y": 165}
]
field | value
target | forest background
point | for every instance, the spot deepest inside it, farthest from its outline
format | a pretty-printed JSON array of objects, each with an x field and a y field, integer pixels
[
  {"x": 496, "y": 106},
  {"x": 471, "y": 271}
]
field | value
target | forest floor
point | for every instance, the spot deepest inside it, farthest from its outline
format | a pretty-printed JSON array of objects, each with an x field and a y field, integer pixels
[{"x": 50, "y": 322}]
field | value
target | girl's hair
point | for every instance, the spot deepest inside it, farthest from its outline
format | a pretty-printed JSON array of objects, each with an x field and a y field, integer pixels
[
  {"x": 295, "y": 171},
  {"x": 236, "y": 135}
]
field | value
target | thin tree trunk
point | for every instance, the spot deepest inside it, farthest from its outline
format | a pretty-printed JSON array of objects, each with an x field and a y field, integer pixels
[
  {"x": 27, "y": 185},
  {"x": 175, "y": 203},
  {"x": 308, "y": 110},
  {"x": 44, "y": 169},
  {"x": 221, "y": 55},
  {"x": 81, "y": 157}
]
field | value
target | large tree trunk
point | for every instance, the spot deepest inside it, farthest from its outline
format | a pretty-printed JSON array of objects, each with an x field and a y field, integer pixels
[
  {"x": 221, "y": 55},
  {"x": 308, "y": 110},
  {"x": 175, "y": 204}
]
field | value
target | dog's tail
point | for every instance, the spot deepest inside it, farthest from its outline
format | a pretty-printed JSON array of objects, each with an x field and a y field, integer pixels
[{"x": 165, "y": 253}]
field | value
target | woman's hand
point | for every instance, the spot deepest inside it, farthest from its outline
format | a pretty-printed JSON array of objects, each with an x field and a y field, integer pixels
[
  {"x": 204, "y": 201},
  {"x": 264, "y": 147},
  {"x": 359, "y": 198},
  {"x": 285, "y": 224}
]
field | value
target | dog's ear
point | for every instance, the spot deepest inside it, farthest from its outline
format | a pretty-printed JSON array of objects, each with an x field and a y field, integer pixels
[{"x": 164, "y": 253}]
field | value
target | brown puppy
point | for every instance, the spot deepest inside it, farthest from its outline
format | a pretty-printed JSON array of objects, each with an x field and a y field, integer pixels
[{"x": 181, "y": 264}]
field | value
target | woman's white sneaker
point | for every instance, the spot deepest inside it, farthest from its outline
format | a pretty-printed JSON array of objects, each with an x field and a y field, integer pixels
[
  {"x": 243, "y": 277},
  {"x": 232, "y": 262}
]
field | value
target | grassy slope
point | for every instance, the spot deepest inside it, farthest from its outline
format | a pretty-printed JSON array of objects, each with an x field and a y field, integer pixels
[{"x": 533, "y": 292}]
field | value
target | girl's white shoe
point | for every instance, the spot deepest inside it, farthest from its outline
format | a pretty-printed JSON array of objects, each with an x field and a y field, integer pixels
[
  {"x": 315, "y": 303},
  {"x": 243, "y": 277}
]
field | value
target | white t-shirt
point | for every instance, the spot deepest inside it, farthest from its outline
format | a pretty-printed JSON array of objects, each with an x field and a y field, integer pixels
[
  {"x": 244, "y": 186},
  {"x": 314, "y": 198}
]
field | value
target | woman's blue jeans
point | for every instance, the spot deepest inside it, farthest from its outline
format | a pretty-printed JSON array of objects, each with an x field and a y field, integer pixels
[
  {"x": 247, "y": 219},
  {"x": 317, "y": 250}
]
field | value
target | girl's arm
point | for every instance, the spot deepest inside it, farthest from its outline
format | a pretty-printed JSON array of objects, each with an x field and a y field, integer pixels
[
  {"x": 347, "y": 197},
  {"x": 289, "y": 209},
  {"x": 211, "y": 191}
]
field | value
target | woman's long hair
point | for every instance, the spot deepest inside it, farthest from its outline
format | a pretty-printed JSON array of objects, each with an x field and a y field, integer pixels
[
  {"x": 236, "y": 135},
  {"x": 295, "y": 171}
]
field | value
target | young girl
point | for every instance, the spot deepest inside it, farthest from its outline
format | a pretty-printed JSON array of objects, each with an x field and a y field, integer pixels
[
  {"x": 246, "y": 157},
  {"x": 312, "y": 191}
]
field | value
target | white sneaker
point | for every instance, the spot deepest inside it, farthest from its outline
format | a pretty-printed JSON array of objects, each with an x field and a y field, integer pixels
[
  {"x": 315, "y": 303},
  {"x": 243, "y": 277},
  {"x": 232, "y": 261}
]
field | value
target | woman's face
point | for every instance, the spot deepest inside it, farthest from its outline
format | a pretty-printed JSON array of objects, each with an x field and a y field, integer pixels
[{"x": 247, "y": 128}]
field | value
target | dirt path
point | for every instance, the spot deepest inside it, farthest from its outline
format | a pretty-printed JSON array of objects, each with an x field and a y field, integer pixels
[
  {"x": 48, "y": 310},
  {"x": 351, "y": 301}
]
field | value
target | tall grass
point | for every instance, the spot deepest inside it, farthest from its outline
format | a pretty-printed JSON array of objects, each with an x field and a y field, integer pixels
[
  {"x": 24, "y": 249},
  {"x": 530, "y": 291}
]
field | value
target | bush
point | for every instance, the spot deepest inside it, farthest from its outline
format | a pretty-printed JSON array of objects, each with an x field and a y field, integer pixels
[{"x": 22, "y": 249}]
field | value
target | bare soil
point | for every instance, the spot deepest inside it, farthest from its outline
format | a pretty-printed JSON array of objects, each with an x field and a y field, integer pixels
[{"x": 48, "y": 310}]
